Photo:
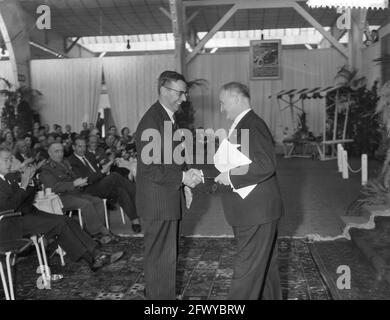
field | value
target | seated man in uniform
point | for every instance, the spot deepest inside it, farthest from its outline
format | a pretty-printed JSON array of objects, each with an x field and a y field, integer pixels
[
  {"x": 68, "y": 234},
  {"x": 58, "y": 176}
]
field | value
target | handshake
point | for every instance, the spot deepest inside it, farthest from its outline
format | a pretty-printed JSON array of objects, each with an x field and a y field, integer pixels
[{"x": 193, "y": 177}]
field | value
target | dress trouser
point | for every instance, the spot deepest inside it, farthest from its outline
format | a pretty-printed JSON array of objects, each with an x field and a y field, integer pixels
[
  {"x": 67, "y": 232},
  {"x": 116, "y": 187},
  {"x": 256, "y": 273},
  {"x": 161, "y": 247},
  {"x": 92, "y": 209}
]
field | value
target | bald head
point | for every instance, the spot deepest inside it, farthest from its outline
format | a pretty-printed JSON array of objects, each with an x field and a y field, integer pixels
[
  {"x": 234, "y": 98},
  {"x": 56, "y": 152}
]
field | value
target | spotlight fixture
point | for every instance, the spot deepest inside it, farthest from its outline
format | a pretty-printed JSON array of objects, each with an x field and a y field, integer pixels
[{"x": 128, "y": 44}]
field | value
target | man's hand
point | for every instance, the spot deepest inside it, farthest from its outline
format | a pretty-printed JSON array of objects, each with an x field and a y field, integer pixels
[
  {"x": 26, "y": 176},
  {"x": 188, "y": 196},
  {"x": 107, "y": 166},
  {"x": 80, "y": 182},
  {"x": 192, "y": 178},
  {"x": 223, "y": 178},
  {"x": 41, "y": 163}
]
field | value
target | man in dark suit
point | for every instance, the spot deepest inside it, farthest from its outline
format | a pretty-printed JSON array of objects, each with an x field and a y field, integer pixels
[
  {"x": 102, "y": 183},
  {"x": 255, "y": 217},
  {"x": 77, "y": 244},
  {"x": 159, "y": 185},
  {"x": 58, "y": 175}
]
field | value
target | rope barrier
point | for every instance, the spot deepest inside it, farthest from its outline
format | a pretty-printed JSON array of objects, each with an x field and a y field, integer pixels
[{"x": 354, "y": 171}]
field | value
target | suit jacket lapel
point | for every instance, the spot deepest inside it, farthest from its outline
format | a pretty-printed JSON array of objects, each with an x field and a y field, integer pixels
[
  {"x": 235, "y": 137},
  {"x": 5, "y": 185}
]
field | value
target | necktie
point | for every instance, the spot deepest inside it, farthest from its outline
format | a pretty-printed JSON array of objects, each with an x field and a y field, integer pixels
[{"x": 87, "y": 163}]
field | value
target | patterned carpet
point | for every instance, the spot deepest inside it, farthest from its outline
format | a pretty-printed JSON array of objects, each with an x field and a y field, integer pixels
[{"x": 204, "y": 273}]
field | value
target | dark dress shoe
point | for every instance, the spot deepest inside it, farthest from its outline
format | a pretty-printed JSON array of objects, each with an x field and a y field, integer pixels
[
  {"x": 136, "y": 227},
  {"x": 104, "y": 259}
]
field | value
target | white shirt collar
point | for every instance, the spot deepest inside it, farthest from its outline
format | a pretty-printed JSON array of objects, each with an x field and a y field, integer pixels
[
  {"x": 238, "y": 119},
  {"x": 2, "y": 177},
  {"x": 170, "y": 113},
  {"x": 81, "y": 158}
]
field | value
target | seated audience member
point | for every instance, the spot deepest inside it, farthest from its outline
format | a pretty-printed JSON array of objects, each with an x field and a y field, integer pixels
[
  {"x": 85, "y": 131},
  {"x": 98, "y": 151},
  {"x": 58, "y": 175},
  {"x": 9, "y": 142},
  {"x": 58, "y": 131},
  {"x": 42, "y": 131},
  {"x": 68, "y": 150},
  {"x": 112, "y": 131},
  {"x": 47, "y": 129},
  {"x": 58, "y": 138},
  {"x": 51, "y": 138},
  {"x": 40, "y": 149},
  {"x": 91, "y": 127},
  {"x": 68, "y": 133},
  {"x": 16, "y": 133},
  {"x": 22, "y": 155},
  {"x": 112, "y": 144},
  {"x": 126, "y": 136},
  {"x": 128, "y": 162},
  {"x": 77, "y": 244},
  {"x": 102, "y": 183},
  {"x": 28, "y": 140},
  {"x": 36, "y": 125},
  {"x": 35, "y": 135}
]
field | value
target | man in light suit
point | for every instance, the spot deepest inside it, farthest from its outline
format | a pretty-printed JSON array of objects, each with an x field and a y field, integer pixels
[
  {"x": 255, "y": 218},
  {"x": 159, "y": 187}
]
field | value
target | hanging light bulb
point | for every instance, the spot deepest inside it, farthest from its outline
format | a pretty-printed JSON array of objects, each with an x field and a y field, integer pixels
[{"x": 128, "y": 44}]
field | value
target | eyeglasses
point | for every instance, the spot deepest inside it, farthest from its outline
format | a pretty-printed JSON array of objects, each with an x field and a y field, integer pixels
[{"x": 185, "y": 93}]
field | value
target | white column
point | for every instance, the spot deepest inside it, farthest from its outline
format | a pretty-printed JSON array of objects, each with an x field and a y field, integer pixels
[
  {"x": 340, "y": 150},
  {"x": 364, "y": 169},
  {"x": 345, "y": 165}
]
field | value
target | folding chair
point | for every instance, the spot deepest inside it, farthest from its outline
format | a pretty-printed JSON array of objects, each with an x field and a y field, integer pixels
[
  {"x": 9, "y": 249},
  {"x": 70, "y": 214},
  {"x": 106, "y": 214}
]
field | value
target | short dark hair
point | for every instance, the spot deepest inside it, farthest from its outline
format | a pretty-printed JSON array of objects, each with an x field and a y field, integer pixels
[
  {"x": 168, "y": 77},
  {"x": 78, "y": 137},
  {"x": 123, "y": 130},
  {"x": 238, "y": 88}
]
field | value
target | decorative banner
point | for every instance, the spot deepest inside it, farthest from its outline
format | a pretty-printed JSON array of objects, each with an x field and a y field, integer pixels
[
  {"x": 374, "y": 4},
  {"x": 265, "y": 59}
]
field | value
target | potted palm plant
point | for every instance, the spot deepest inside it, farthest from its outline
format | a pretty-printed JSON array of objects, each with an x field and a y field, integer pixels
[
  {"x": 17, "y": 106},
  {"x": 377, "y": 190}
]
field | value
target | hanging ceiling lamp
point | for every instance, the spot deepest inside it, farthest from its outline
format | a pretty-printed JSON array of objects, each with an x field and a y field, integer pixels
[{"x": 128, "y": 44}]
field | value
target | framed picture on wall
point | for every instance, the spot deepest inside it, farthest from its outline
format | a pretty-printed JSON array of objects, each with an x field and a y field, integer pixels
[{"x": 265, "y": 59}]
